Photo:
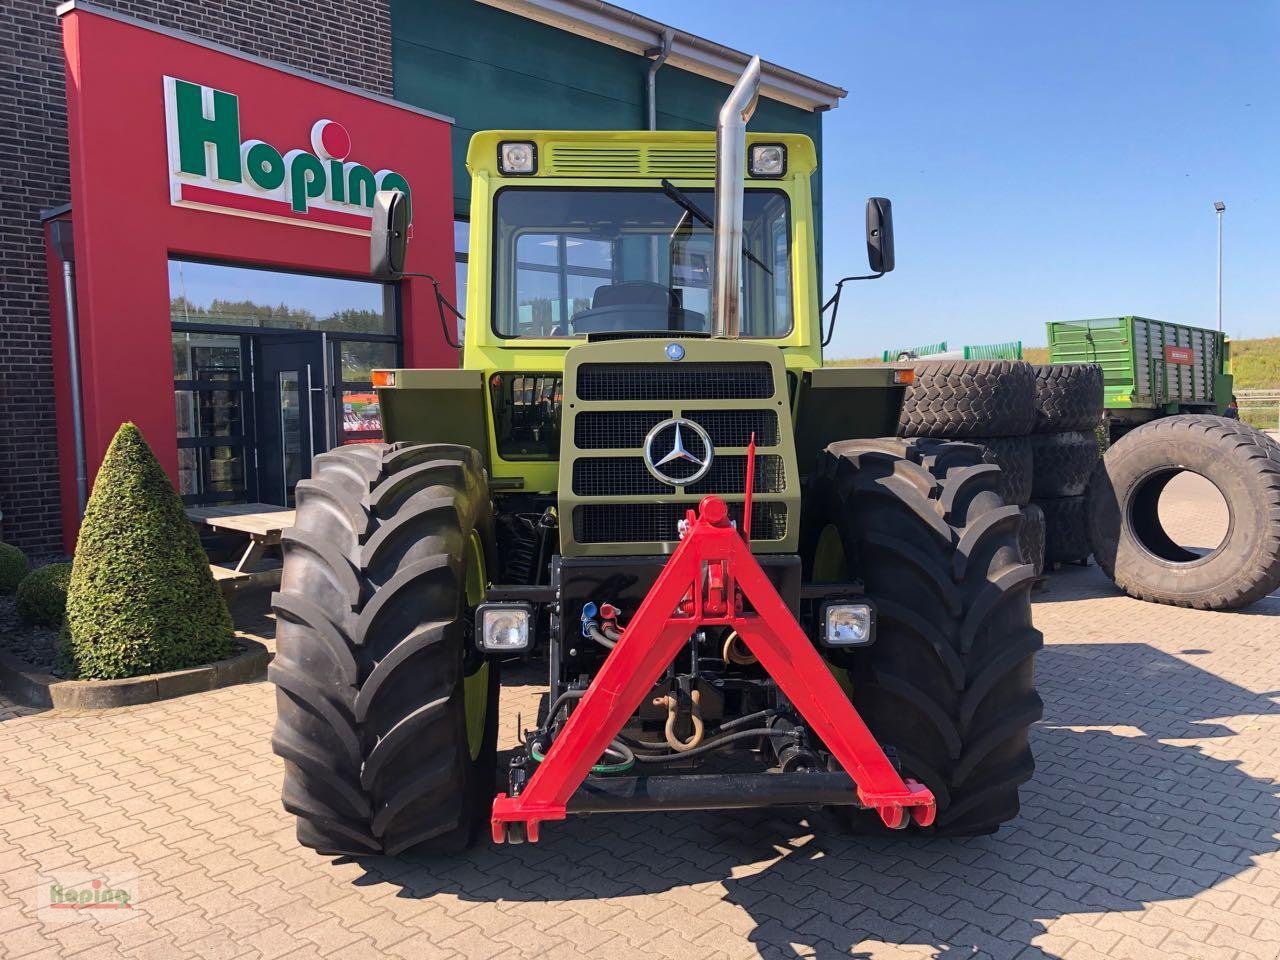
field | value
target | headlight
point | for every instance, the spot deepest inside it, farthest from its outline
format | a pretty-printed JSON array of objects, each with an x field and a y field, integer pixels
[
  {"x": 518, "y": 158},
  {"x": 504, "y": 627},
  {"x": 848, "y": 624},
  {"x": 768, "y": 160}
]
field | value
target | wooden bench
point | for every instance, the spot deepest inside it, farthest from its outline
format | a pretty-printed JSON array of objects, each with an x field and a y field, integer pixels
[
  {"x": 228, "y": 579},
  {"x": 262, "y": 523}
]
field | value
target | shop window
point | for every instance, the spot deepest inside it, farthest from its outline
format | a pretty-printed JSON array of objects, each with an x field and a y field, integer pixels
[
  {"x": 209, "y": 392},
  {"x": 224, "y": 295},
  {"x": 361, "y": 420},
  {"x": 270, "y": 369}
]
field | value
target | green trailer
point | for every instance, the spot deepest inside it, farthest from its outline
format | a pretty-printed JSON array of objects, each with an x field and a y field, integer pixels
[{"x": 1151, "y": 369}]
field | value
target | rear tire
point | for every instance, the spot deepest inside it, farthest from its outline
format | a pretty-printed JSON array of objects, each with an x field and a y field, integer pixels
[
  {"x": 1031, "y": 537},
  {"x": 1013, "y": 456},
  {"x": 386, "y": 715},
  {"x": 1133, "y": 548},
  {"x": 949, "y": 682},
  {"x": 1066, "y": 539},
  {"x": 1062, "y": 463},
  {"x": 1069, "y": 396},
  {"x": 960, "y": 398}
]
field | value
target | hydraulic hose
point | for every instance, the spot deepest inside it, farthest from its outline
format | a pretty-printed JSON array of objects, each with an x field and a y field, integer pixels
[
  {"x": 627, "y": 758},
  {"x": 561, "y": 701},
  {"x": 747, "y": 718},
  {"x": 710, "y": 745},
  {"x": 598, "y": 635}
]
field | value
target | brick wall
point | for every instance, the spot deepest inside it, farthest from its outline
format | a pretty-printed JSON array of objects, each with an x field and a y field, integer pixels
[{"x": 344, "y": 40}]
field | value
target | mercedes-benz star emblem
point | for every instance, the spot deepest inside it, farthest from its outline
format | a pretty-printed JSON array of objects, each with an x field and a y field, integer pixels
[{"x": 684, "y": 452}]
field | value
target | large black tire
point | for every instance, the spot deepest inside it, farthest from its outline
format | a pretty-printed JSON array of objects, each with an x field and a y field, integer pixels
[
  {"x": 1069, "y": 396},
  {"x": 961, "y": 398},
  {"x": 386, "y": 716},
  {"x": 1065, "y": 538},
  {"x": 1031, "y": 537},
  {"x": 1013, "y": 456},
  {"x": 1062, "y": 463},
  {"x": 1133, "y": 548},
  {"x": 949, "y": 683}
]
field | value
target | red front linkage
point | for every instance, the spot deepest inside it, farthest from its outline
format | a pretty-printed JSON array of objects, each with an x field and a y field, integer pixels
[{"x": 704, "y": 583}]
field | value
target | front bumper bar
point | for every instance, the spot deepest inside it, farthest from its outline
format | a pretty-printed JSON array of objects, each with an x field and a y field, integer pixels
[{"x": 711, "y": 791}]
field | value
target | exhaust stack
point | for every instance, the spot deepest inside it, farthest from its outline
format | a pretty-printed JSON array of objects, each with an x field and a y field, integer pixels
[{"x": 731, "y": 164}]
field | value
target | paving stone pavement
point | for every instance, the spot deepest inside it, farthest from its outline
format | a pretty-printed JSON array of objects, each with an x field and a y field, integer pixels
[{"x": 1149, "y": 831}]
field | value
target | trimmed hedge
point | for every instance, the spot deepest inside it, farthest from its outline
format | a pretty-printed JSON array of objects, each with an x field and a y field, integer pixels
[
  {"x": 141, "y": 597},
  {"x": 13, "y": 568},
  {"x": 42, "y": 597}
]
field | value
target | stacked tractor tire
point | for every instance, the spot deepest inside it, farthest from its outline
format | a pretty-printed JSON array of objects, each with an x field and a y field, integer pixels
[
  {"x": 1035, "y": 423},
  {"x": 1040, "y": 424},
  {"x": 1064, "y": 450}
]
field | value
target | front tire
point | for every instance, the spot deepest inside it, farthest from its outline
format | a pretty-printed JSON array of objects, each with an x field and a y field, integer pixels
[
  {"x": 1130, "y": 542},
  {"x": 949, "y": 682},
  {"x": 386, "y": 716}
]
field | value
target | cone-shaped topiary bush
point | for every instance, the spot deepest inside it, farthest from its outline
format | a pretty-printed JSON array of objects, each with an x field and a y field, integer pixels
[
  {"x": 42, "y": 597},
  {"x": 13, "y": 567},
  {"x": 141, "y": 599}
]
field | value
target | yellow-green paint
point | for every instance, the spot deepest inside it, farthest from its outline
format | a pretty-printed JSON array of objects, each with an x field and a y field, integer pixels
[
  {"x": 827, "y": 404},
  {"x": 475, "y": 686},
  {"x": 487, "y": 352},
  {"x": 651, "y": 351},
  {"x": 829, "y": 562}
]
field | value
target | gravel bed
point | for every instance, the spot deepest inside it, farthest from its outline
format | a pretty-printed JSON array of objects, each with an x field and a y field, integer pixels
[{"x": 32, "y": 645}]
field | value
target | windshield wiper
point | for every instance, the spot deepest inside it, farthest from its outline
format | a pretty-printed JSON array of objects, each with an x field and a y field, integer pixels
[{"x": 691, "y": 208}]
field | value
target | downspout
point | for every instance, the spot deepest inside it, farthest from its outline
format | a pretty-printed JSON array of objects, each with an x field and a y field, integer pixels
[
  {"x": 660, "y": 55},
  {"x": 60, "y": 231},
  {"x": 731, "y": 165}
]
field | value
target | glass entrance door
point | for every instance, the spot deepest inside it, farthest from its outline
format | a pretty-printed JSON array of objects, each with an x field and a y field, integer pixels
[{"x": 292, "y": 386}]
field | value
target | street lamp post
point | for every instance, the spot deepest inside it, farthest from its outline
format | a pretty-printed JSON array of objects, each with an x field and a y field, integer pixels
[{"x": 1219, "y": 206}]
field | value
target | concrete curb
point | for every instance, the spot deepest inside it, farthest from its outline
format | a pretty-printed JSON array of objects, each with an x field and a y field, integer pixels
[{"x": 32, "y": 688}]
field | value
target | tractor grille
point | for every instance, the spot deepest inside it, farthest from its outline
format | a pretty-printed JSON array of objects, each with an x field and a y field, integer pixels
[
  {"x": 627, "y": 429},
  {"x": 617, "y": 391},
  {"x": 596, "y": 160},
  {"x": 627, "y": 477},
  {"x": 656, "y": 522},
  {"x": 683, "y": 381}
]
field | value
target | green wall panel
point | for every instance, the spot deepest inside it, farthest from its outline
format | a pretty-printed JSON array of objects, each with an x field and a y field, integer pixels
[{"x": 490, "y": 69}]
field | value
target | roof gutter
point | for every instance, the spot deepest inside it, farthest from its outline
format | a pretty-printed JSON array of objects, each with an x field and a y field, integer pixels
[
  {"x": 659, "y": 55},
  {"x": 621, "y": 28}
]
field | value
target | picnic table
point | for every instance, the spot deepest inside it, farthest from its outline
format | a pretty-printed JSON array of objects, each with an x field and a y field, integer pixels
[{"x": 261, "y": 523}]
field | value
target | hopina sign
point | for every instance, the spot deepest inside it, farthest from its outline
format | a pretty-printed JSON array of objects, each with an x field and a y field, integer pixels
[{"x": 212, "y": 168}]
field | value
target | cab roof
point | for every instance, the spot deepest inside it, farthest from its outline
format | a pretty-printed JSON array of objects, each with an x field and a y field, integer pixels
[{"x": 627, "y": 154}]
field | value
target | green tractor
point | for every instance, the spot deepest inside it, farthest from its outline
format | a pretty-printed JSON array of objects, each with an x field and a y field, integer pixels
[{"x": 746, "y": 591}]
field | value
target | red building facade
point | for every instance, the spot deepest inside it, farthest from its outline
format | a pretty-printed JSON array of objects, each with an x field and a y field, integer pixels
[{"x": 219, "y": 224}]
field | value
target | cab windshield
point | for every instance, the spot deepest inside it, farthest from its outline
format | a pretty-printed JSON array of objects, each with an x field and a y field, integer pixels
[{"x": 573, "y": 261}]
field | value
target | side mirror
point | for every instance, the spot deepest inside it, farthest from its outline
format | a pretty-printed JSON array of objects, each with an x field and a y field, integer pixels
[
  {"x": 880, "y": 234},
  {"x": 390, "y": 234}
]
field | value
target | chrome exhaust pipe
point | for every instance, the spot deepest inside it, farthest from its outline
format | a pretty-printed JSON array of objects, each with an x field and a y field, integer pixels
[{"x": 731, "y": 165}]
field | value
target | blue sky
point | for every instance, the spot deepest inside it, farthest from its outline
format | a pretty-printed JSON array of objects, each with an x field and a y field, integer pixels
[{"x": 1045, "y": 160}]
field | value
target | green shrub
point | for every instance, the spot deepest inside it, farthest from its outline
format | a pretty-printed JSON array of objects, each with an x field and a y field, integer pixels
[
  {"x": 42, "y": 597},
  {"x": 141, "y": 597},
  {"x": 13, "y": 568}
]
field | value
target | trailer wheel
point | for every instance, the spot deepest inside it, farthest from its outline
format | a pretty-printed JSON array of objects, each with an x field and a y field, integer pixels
[
  {"x": 1031, "y": 537},
  {"x": 386, "y": 715},
  {"x": 959, "y": 398},
  {"x": 1069, "y": 396},
  {"x": 1133, "y": 548},
  {"x": 1061, "y": 463},
  {"x": 949, "y": 683}
]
